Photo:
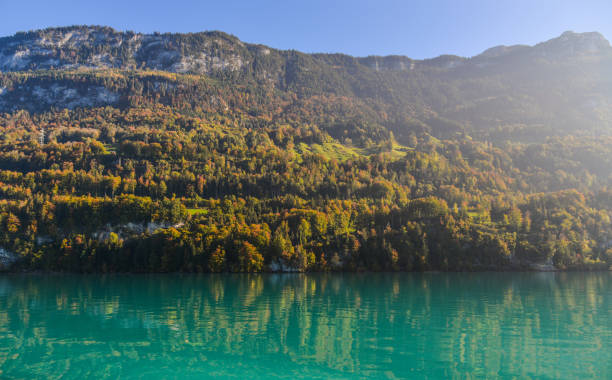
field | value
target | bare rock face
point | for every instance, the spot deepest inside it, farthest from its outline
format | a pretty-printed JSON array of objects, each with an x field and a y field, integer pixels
[
  {"x": 56, "y": 95},
  {"x": 572, "y": 43},
  {"x": 99, "y": 47},
  {"x": 388, "y": 63}
]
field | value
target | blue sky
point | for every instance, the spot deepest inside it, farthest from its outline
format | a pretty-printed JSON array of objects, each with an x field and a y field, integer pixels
[{"x": 416, "y": 28}]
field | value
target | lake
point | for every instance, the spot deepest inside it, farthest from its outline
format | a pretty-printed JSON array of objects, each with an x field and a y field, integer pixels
[{"x": 407, "y": 325}]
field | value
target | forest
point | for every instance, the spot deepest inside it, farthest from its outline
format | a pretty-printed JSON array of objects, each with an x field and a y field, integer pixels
[{"x": 141, "y": 169}]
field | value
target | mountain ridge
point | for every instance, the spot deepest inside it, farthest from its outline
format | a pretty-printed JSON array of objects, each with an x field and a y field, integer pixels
[{"x": 32, "y": 50}]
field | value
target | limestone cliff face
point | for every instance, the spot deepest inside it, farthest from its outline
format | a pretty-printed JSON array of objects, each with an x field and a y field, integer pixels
[{"x": 99, "y": 47}]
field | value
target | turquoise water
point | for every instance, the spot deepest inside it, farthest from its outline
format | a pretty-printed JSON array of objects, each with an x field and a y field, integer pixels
[{"x": 498, "y": 325}]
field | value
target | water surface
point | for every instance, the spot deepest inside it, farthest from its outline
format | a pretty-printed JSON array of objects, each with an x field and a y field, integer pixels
[{"x": 502, "y": 325}]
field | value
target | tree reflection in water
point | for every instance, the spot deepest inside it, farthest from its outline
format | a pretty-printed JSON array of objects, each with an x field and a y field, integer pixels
[{"x": 296, "y": 325}]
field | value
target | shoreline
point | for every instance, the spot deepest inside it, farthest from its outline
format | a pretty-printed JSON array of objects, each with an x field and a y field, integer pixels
[{"x": 485, "y": 270}]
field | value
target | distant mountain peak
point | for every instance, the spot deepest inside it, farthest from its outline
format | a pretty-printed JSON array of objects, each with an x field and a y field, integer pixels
[
  {"x": 567, "y": 44},
  {"x": 571, "y": 43},
  {"x": 570, "y": 34}
]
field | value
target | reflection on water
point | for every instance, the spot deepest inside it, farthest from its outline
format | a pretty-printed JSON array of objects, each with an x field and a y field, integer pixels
[{"x": 336, "y": 325}]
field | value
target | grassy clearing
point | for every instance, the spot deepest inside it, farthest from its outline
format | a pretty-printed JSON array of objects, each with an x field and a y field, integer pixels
[
  {"x": 197, "y": 211},
  {"x": 335, "y": 150}
]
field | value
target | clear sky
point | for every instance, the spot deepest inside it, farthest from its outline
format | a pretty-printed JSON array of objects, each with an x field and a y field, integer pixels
[{"x": 416, "y": 28}]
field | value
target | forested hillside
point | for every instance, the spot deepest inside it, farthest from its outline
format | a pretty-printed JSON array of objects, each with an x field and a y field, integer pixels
[{"x": 198, "y": 152}]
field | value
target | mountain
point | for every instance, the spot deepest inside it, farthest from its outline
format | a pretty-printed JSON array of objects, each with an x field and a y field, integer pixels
[
  {"x": 123, "y": 151},
  {"x": 553, "y": 87}
]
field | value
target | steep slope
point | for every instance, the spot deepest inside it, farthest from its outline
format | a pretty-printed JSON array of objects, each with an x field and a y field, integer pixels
[
  {"x": 197, "y": 152},
  {"x": 557, "y": 87}
]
